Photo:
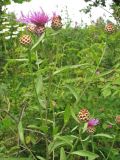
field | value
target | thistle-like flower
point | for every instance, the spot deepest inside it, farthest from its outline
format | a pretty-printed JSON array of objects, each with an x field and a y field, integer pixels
[
  {"x": 91, "y": 125},
  {"x": 93, "y": 122},
  {"x": 38, "y": 18}
]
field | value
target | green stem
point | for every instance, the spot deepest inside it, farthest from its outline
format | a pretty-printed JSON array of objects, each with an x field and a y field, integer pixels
[
  {"x": 111, "y": 149},
  {"x": 53, "y": 129},
  {"x": 93, "y": 150},
  {"x": 48, "y": 104},
  {"x": 76, "y": 142}
]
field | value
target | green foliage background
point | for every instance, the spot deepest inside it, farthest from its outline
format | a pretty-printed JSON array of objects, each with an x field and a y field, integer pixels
[{"x": 59, "y": 74}]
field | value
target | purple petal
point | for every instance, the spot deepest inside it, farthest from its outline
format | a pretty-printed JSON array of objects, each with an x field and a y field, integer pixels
[
  {"x": 93, "y": 122},
  {"x": 35, "y": 17}
]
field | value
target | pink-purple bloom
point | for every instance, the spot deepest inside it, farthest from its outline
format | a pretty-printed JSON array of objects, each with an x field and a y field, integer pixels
[
  {"x": 93, "y": 122},
  {"x": 39, "y": 18}
]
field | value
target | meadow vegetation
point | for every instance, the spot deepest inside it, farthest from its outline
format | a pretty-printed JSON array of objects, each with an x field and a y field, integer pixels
[{"x": 44, "y": 86}]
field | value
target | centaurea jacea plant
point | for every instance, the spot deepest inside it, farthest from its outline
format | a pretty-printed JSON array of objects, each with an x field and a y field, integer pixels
[{"x": 38, "y": 18}]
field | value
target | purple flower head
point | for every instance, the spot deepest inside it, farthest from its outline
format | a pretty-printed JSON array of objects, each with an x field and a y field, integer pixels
[
  {"x": 93, "y": 122},
  {"x": 38, "y": 18}
]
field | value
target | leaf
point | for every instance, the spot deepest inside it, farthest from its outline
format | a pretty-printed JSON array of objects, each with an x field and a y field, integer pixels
[
  {"x": 68, "y": 67},
  {"x": 73, "y": 114},
  {"x": 67, "y": 114},
  {"x": 41, "y": 158},
  {"x": 53, "y": 145},
  {"x": 39, "y": 84},
  {"x": 62, "y": 154},
  {"x": 72, "y": 90},
  {"x": 83, "y": 153},
  {"x": 74, "y": 129},
  {"x": 86, "y": 139},
  {"x": 103, "y": 135},
  {"x": 33, "y": 127},
  {"x": 85, "y": 127},
  {"x": 67, "y": 139},
  {"x": 60, "y": 141},
  {"x": 106, "y": 92},
  {"x": 42, "y": 102},
  {"x": 21, "y": 132},
  {"x": 39, "y": 40},
  {"x": 28, "y": 139},
  {"x": 39, "y": 89}
]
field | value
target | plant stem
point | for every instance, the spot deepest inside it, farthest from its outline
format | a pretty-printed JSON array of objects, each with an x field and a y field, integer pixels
[
  {"x": 76, "y": 142},
  {"x": 93, "y": 150},
  {"x": 48, "y": 105},
  {"x": 111, "y": 149}
]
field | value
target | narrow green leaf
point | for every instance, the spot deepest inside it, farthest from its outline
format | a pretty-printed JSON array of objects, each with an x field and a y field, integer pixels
[
  {"x": 53, "y": 145},
  {"x": 83, "y": 153},
  {"x": 67, "y": 139},
  {"x": 85, "y": 127},
  {"x": 72, "y": 90},
  {"x": 103, "y": 135},
  {"x": 74, "y": 128},
  {"x": 60, "y": 141},
  {"x": 42, "y": 102},
  {"x": 69, "y": 67},
  {"x": 21, "y": 132},
  {"x": 41, "y": 158},
  {"x": 67, "y": 114},
  {"x": 62, "y": 154},
  {"x": 39, "y": 84},
  {"x": 106, "y": 92},
  {"x": 33, "y": 126},
  {"x": 39, "y": 40},
  {"x": 73, "y": 114}
]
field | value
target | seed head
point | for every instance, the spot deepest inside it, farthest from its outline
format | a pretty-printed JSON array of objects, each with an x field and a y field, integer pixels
[
  {"x": 109, "y": 28},
  {"x": 84, "y": 115},
  {"x": 25, "y": 39},
  {"x": 91, "y": 130},
  {"x": 56, "y": 22}
]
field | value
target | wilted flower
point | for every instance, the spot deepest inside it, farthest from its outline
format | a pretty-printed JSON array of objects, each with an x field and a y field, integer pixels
[{"x": 93, "y": 122}]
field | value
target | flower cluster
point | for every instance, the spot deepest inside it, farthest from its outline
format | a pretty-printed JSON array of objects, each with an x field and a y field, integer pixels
[
  {"x": 84, "y": 116},
  {"x": 36, "y": 21}
]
